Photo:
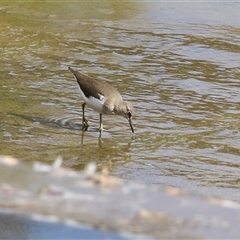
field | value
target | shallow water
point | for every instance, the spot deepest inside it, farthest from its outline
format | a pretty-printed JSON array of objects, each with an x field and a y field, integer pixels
[{"x": 178, "y": 63}]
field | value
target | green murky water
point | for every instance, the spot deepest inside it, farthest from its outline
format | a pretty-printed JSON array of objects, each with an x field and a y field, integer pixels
[{"x": 178, "y": 63}]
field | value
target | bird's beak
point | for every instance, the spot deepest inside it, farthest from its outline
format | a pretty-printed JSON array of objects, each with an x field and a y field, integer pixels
[{"x": 130, "y": 122}]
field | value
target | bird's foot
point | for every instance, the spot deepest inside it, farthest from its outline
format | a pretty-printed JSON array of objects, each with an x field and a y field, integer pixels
[
  {"x": 100, "y": 128},
  {"x": 85, "y": 125}
]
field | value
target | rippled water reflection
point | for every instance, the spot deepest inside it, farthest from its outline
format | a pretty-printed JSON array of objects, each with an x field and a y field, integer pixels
[{"x": 181, "y": 72}]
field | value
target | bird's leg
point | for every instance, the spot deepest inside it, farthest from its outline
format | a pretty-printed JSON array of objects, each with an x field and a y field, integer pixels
[
  {"x": 85, "y": 124},
  {"x": 101, "y": 125}
]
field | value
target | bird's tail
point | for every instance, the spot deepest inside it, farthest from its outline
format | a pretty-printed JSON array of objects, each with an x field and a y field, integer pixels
[{"x": 72, "y": 71}]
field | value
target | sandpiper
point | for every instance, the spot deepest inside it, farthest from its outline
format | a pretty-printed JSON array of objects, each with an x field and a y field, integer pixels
[{"x": 103, "y": 98}]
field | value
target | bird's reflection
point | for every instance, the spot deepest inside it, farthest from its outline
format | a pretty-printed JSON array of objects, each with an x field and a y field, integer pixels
[{"x": 101, "y": 139}]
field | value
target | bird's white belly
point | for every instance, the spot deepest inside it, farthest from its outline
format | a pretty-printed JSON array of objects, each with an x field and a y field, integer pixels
[{"x": 95, "y": 103}]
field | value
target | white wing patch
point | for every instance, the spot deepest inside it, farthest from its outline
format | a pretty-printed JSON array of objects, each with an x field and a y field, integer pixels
[{"x": 101, "y": 97}]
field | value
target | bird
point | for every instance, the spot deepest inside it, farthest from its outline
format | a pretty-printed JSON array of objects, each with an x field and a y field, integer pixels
[{"x": 103, "y": 98}]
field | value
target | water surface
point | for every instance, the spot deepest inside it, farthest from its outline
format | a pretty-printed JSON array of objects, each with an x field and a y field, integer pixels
[{"x": 178, "y": 63}]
